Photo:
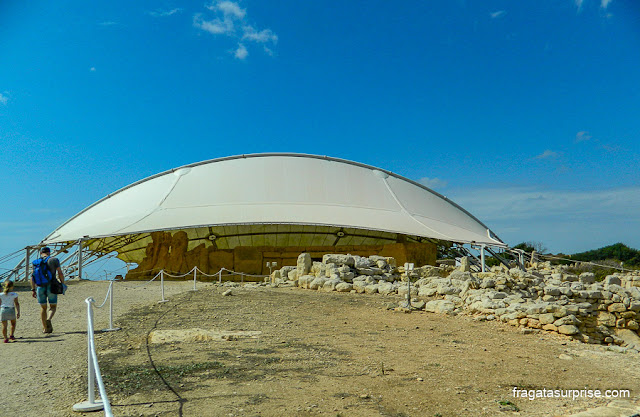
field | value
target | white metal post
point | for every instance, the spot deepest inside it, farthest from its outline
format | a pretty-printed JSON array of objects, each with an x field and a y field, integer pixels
[
  {"x": 482, "y": 257},
  {"x": 91, "y": 404},
  {"x": 194, "y": 277},
  {"x": 220, "y": 276},
  {"x": 27, "y": 264},
  {"x": 162, "y": 286},
  {"x": 111, "y": 328}
]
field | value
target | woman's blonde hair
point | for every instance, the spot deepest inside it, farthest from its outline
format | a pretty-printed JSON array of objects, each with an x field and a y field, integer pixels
[{"x": 7, "y": 286}]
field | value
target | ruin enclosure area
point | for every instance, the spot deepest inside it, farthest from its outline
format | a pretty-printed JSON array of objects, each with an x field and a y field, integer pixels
[
  {"x": 169, "y": 251},
  {"x": 543, "y": 297}
]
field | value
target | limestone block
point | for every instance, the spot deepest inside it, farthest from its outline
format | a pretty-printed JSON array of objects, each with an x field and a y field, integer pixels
[
  {"x": 633, "y": 325},
  {"x": 303, "y": 264},
  {"x": 317, "y": 283},
  {"x": 293, "y": 275},
  {"x": 359, "y": 286},
  {"x": 606, "y": 319},
  {"x": 317, "y": 269},
  {"x": 339, "y": 259},
  {"x": 386, "y": 288},
  {"x": 284, "y": 271},
  {"x": 546, "y": 318},
  {"x": 570, "y": 278},
  {"x": 537, "y": 308},
  {"x": 426, "y": 292},
  {"x": 616, "y": 308},
  {"x": 628, "y": 337},
  {"x": 554, "y": 291},
  {"x": 371, "y": 289},
  {"x": 534, "y": 324},
  {"x": 444, "y": 290},
  {"x": 305, "y": 280},
  {"x": 440, "y": 306},
  {"x": 570, "y": 319},
  {"x": 465, "y": 265},
  {"x": 568, "y": 329},
  {"x": 330, "y": 284},
  {"x": 550, "y": 327},
  {"x": 611, "y": 279},
  {"x": 360, "y": 262}
]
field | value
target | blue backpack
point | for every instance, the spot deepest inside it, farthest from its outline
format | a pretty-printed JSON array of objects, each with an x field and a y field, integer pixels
[{"x": 41, "y": 274}]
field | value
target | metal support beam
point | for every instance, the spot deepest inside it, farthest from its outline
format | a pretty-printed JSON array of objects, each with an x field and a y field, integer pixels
[
  {"x": 484, "y": 267},
  {"x": 80, "y": 258},
  {"x": 27, "y": 264}
]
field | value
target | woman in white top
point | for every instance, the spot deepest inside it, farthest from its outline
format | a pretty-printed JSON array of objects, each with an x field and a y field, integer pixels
[{"x": 9, "y": 310}]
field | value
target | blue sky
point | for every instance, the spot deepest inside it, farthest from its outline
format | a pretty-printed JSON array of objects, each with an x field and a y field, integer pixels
[{"x": 525, "y": 113}]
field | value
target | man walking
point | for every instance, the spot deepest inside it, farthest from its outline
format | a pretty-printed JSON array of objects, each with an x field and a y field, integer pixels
[{"x": 41, "y": 286}]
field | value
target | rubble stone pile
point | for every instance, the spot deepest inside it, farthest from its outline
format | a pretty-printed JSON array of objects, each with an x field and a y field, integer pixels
[{"x": 543, "y": 297}]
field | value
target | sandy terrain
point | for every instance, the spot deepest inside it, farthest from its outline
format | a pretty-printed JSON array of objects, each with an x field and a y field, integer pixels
[{"x": 285, "y": 351}]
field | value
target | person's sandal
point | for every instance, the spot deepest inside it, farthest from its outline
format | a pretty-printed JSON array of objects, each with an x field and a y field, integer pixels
[
  {"x": 6, "y": 340},
  {"x": 12, "y": 338},
  {"x": 49, "y": 327}
]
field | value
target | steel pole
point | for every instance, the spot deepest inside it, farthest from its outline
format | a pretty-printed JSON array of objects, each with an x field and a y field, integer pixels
[
  {"x": 80, "y": 241},
  {"x": 27, "y": 265}
]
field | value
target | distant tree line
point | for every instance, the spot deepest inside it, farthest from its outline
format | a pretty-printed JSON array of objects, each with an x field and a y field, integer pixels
[{"x": 618, "y": 252}]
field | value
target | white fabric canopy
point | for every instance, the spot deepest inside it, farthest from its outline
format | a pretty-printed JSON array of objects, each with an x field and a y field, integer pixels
[{"x": 276, "y": 189}]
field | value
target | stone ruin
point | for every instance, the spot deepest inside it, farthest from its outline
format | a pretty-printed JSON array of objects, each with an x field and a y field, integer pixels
[{"x": 543, "y": 297}]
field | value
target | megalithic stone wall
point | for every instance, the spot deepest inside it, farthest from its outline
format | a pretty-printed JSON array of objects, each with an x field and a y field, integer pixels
[
  {"x": 542, "y": 298},
  {"x": 170, "y": 252}
]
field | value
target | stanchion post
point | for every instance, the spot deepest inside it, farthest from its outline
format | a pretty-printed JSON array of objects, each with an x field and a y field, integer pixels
[
  {"x": 91, "y": 404},
  {"x": 220, "y": 276},
  {"x": 111, "y": 328},
  {"x": 194, "y": 278},
  {"x": 162, "y": 286}
]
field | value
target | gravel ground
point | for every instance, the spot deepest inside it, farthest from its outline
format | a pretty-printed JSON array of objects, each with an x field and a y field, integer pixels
[
  {"x": 47, "y": 374},
  {"x": 291, "y": 352}
]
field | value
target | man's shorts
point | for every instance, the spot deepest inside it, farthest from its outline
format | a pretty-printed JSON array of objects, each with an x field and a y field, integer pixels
[
  {"x": 7, "y": 313},
  {"x": 43, "y": 293}
]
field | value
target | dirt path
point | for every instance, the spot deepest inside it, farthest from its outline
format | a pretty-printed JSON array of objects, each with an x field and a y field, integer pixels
[
  {"x": 47, "y": 374},
  {"x": 316, "y": 353}
]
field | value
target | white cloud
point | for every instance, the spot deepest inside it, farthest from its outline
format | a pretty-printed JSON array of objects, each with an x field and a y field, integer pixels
[
  {"x": 497, "y": 14},
  {"x": 215, "y": 26},
  {"x": 263, "y": 36},
  {"x": 228, "y": 16},
  {"x": 229, "y": 8},
  {"x": 579, "y": 4},
  {"x": 548, "y": 154},
  {"x": 92, "y": 69},
  {"x": 433, "y": 183},
  {"x": 165, "y": 13},
  {"x": 583, "y": 136},
  {"x": 108, "y": 23},
  {"x": 604, "y": 3},
  {"x": 241, "y": 53},
  {"x": 564, "y": 220},
  {"x": 4, "y": 99}
]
